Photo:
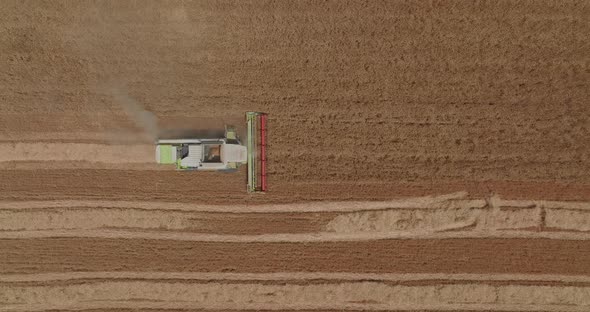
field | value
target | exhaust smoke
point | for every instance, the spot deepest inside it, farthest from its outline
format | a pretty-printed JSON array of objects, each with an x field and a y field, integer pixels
[{"x": 143, "y": 119}]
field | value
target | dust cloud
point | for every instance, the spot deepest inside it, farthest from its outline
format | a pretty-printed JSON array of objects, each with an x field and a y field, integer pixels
[
  {"x": 177, "y": 127},
  {"x": 142, "y": 118}
]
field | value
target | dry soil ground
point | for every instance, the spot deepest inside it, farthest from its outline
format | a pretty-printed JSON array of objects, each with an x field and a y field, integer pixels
[{"x": 423, "y": 156}]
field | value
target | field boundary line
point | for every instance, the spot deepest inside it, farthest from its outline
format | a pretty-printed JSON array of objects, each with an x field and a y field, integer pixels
[
  {"x": 289, "y": 238},
  {"x": 456, "y": 200},
  {"x": 286, "y": 276},
  {"x": 144, "y": 304}
]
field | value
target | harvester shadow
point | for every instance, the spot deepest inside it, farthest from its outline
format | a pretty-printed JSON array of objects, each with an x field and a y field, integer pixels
[{"x": 191, "y": 134}]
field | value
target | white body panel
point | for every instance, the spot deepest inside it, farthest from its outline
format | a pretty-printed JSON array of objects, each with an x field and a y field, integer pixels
[
  {"x": 195, "y": 154},
  {"x": 234, "y": 153}
]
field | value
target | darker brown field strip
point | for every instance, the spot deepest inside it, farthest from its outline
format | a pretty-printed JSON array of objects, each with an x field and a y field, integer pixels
[
  {"x": 218, "y": 188},
  {"x": 526, "y": 256}
]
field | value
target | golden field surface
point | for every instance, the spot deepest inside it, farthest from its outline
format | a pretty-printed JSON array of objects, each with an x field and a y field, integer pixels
[{"x": 422, "y": 156}]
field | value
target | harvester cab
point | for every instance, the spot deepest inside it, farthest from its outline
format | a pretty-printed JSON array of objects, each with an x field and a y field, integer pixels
[{"x": 225, "y": 154}]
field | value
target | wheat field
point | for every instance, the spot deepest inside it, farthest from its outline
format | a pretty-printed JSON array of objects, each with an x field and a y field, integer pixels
[{"x": 422, "y": 156}]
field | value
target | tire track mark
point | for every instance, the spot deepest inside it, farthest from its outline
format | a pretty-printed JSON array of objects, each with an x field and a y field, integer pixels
[{"x": 293, "y": 276}]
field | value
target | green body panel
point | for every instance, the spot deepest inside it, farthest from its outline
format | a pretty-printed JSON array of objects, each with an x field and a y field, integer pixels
[
  {"x": 250, "y": 118},
  {"x": 251, "y": 144},
  {"x": 166, "y": 154},
  {"x": 230, "y": 133}
]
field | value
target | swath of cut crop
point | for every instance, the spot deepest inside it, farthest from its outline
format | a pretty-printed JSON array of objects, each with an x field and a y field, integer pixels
[
  {"x": 453, "y": 200},
  {"x": 441, "y": 216},
  {"x": 248, "y": 295},
  {"x": 284, "y": 238},
  {"x": 67, "y": 152}
]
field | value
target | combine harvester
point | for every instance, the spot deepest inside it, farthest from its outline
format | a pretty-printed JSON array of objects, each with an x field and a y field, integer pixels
[{"x": 225, "y": 154}]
